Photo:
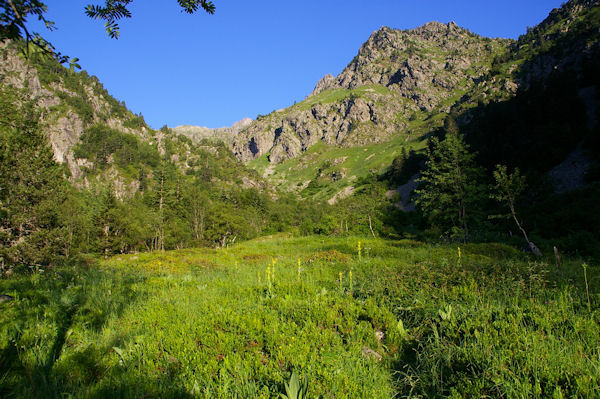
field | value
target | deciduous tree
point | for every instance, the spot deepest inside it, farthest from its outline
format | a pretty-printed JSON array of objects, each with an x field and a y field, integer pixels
[
  {"x": 115, "y": 10},
  {"x": 508, "y": 187}
]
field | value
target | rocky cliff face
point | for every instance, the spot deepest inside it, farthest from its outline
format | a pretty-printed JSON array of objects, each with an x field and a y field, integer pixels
[
  {"x": 326, "y": 82},
  {"x": 434, "y": 58},
  {"x": 396, "y": 76},
  {"x": 402, "y": 76}
]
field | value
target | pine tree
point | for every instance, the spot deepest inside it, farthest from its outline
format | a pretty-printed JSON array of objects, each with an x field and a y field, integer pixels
[
  {"x": 106, "y": 222},
  {"x": 32, "y": 187},
  {"x": 450, "y": 191}
]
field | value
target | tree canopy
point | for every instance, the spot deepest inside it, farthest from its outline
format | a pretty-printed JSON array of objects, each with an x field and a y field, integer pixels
[{"x": 115, "y": 10}]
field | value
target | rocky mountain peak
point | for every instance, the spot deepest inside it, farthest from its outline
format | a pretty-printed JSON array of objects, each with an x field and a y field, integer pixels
[
  {"x": 324, "y": 83},
  {"x": 383, "y": 59},
  {"x": 431, "y": 29},
  {"x": 239, "y": 125}
]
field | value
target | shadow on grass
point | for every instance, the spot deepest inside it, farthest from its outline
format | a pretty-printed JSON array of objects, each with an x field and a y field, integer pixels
[{"x": 63, "y": 301}]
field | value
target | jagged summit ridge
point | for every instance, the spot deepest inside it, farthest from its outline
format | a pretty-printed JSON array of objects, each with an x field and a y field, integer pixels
[
  {"x": 388, "y": 43},
  {"x": 381, "y": 58}
]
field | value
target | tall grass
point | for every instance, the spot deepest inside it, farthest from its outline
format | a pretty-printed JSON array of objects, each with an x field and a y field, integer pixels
[{"x": 404, "y": 320}]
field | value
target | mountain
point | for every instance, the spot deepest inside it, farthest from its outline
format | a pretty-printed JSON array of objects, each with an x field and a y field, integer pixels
[
  {"x": 556, "y": 105},
  {"x": 81, "y": 173},
  {"x": 71, "y": 102},
  {"x": 395, "y": 92},
  {"x": 402, "y": 86},
  {"x": 397, "y": 78}
]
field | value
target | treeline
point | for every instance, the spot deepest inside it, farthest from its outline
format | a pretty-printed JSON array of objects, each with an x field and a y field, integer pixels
[
  {"x": 179, "y": 212},
  {"x": 44, "y": 220}
]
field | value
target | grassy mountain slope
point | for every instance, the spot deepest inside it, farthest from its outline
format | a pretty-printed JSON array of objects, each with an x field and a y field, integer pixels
[
  {"x": 99, "y": 139},
  {"x": 396, "y": 90},
  {"x": 557, "y": 105}
]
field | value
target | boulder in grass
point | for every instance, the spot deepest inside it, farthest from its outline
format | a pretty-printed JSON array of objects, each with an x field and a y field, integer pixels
[{"x": 6, "y": 298}]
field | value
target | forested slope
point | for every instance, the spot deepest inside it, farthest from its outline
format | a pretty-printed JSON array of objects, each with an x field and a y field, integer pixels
[{"x": 81, "y": 173}]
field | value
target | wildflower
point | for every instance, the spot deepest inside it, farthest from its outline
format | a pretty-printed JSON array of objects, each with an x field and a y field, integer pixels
[
  {"x": 359, "y": 250},
  {"x": 350, "y": 277}
]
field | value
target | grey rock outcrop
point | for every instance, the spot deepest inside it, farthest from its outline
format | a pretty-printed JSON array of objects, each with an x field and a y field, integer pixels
[
  {"x": 285, "y": 135},
  {"x": 325, "y": 83},
  {"x": 570, "y": 173},
  {"x": 225, "y": 134}
]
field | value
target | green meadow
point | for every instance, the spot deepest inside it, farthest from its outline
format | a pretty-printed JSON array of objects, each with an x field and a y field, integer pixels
[{"x": 391, "y": 319}]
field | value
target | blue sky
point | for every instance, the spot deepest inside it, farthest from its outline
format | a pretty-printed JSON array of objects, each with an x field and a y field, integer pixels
[{"x": 251, "y": 57}]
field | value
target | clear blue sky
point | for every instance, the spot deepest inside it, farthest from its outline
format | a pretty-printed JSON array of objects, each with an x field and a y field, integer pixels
[{"x": 251, "y": 57}]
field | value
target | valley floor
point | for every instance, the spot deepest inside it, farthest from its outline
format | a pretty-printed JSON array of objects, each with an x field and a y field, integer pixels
[{"x": 378, "y": 319}]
